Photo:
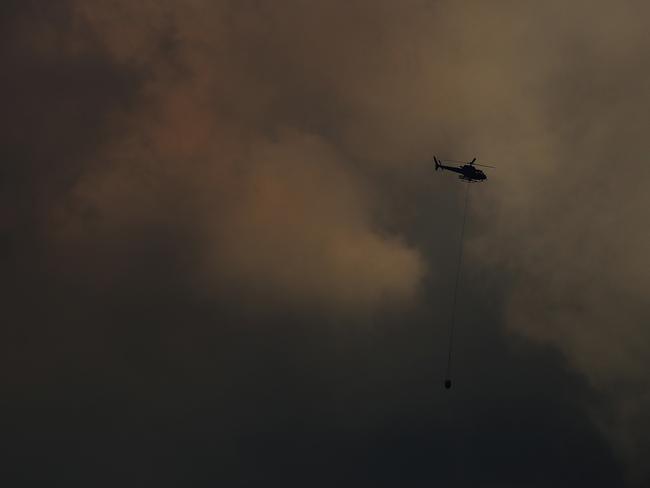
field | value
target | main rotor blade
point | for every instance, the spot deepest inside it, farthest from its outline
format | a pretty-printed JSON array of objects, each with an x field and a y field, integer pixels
[{"x": 465, "y": 162}]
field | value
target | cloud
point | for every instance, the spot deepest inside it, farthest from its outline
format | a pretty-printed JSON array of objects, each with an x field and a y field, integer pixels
[
  {"x": 250, "y": 149},
  {"x": 569, "y": 202},
  {"x": 213, "y": 146}
]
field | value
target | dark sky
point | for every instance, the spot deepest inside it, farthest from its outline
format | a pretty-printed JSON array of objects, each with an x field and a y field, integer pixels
[{"x": 227, "y": 260}]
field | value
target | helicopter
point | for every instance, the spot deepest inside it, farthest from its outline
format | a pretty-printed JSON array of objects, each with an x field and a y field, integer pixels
[{"x": 468, "y": 171}]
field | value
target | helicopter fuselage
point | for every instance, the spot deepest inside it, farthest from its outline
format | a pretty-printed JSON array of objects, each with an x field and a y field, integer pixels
[{"x": 467, "y": 172}]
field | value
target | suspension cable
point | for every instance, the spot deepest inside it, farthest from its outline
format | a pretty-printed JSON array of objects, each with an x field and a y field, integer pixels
[{"x": 453, "y": 307}]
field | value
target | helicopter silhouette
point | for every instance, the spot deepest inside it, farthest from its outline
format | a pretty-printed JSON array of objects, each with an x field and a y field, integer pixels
[{"x": 468, "y": 171}]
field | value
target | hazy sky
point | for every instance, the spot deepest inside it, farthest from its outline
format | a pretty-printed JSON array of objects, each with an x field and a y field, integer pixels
[{"x": 227, "y": 260}]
